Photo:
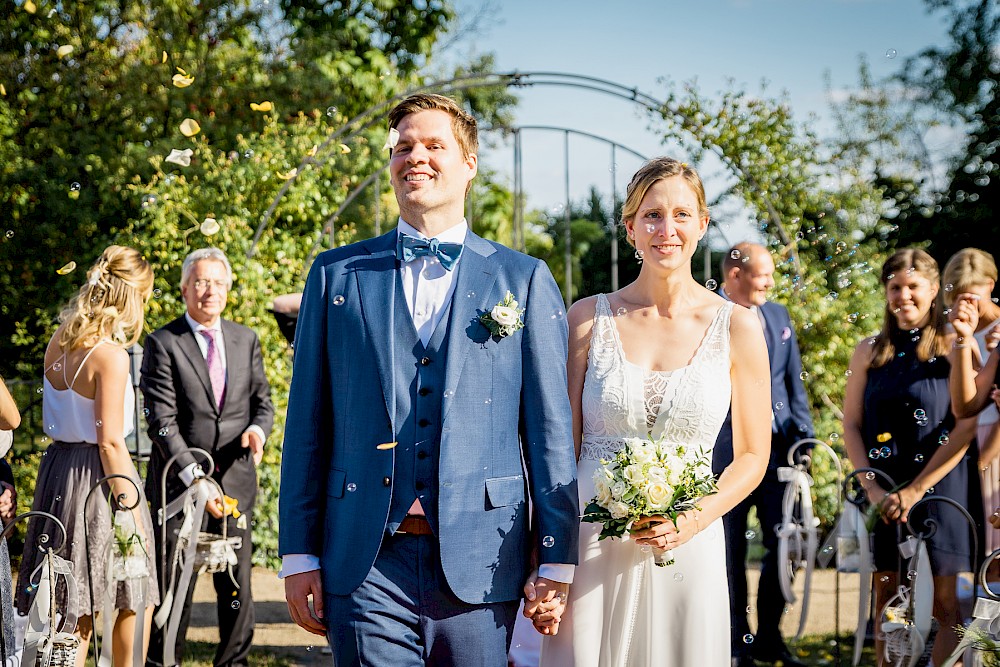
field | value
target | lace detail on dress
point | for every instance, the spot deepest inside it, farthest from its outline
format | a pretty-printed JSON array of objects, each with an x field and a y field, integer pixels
[{"x": 622, "y": 401}]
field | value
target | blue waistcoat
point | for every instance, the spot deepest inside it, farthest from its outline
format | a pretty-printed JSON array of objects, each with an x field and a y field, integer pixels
[{"x": 419, "y": 379}]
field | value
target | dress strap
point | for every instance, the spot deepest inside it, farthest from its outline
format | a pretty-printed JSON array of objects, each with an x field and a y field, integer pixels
[
  {"x": 80, "y": 367},
  {"x": 716, "y": 338},
  {"x": 604, "y": 346}
]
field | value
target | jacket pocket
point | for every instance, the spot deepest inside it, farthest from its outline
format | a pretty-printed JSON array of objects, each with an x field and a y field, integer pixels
[
  {"x": 504, "y": 491},
  {"x": 335, "y": 483}
]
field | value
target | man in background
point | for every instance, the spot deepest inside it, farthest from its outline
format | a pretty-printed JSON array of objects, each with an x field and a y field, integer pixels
[
  {"x": 204, "y": 384},
  {"x": 748, "y": 271}
]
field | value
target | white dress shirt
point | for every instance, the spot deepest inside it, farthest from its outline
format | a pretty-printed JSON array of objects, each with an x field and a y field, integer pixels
[
  {"x": 428, "y": 289},
  {"x": 192, "y": 470}
]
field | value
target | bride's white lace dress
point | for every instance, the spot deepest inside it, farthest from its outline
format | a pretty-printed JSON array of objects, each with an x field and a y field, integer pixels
[{"x": 622, "y": 609}]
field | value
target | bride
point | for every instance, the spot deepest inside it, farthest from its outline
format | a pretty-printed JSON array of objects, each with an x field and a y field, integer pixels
[{"x": 661, "y": 358}]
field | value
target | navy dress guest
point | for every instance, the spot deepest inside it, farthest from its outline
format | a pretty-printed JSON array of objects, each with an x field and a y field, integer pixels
[{"x": 898, "y": 419}]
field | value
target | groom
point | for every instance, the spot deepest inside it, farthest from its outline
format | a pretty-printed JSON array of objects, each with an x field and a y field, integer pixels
[{"x": 417, "y": 406}]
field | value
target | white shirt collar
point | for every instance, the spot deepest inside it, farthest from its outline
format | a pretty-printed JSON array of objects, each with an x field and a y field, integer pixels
[
  {"x": 454, "y": 234},
  {"x": 197, "y": 326}
]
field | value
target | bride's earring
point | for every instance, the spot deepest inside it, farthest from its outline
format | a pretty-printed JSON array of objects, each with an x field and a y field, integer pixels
[{"x": 638, "y": 254}]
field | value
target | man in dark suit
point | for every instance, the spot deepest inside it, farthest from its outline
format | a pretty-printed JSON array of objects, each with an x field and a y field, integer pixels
[
  {"x": 747, "y": 270},
  {"x": 204, "y": 384}
]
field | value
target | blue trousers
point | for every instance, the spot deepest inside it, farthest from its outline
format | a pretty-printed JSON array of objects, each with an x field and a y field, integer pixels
[{"x": 405, "y": 615}]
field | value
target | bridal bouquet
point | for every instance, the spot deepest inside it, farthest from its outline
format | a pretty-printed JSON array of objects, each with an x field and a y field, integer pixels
[{"x": 647, "y": 478}]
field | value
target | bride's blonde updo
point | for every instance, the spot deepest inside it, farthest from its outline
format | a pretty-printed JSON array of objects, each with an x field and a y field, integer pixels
[{"x": 111, "y": 303}]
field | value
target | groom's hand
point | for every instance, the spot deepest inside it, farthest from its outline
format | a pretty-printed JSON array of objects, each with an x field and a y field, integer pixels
[
  {"x": 298, "y": 589},
  {"x": 544, "y": 603}
]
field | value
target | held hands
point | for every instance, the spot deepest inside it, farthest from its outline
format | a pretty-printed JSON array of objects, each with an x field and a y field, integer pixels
[
  {"x": 544, "y": 603},
  {"x": 252, "y": 440},
  {"x": 298, "y": 589},
  {"x": 964, "y": 315}
]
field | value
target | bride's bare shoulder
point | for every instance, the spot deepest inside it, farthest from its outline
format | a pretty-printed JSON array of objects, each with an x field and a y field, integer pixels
[{"x": 582, "y": 312}]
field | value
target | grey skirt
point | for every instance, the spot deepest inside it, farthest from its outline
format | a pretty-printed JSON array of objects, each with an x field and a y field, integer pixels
[{"x": 66, "y": 475}]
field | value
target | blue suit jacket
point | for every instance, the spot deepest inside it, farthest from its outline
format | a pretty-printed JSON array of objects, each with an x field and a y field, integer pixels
[
  {"x": 504, "y": 399},
  {"x": 789, "y": 400}
]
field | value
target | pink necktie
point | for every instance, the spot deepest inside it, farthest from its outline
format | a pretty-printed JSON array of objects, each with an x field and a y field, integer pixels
[{"x": 215, "y": 371}]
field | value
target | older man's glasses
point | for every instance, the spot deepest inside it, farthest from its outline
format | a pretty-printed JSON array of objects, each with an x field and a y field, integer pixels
[{"x": 218, "y": 285}]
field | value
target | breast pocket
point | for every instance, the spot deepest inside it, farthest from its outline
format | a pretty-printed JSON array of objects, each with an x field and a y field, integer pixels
[
  {"x": 335, "y": 484},
  {"x": 504, "y": 491}
]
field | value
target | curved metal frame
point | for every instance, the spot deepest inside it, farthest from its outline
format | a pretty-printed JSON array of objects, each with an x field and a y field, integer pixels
[
  {"x": 193, "y": 451},
  {"x": 44, "y": 546},
  {"x": 119, "y": 500},
  {"x": 517, "y": 79}
]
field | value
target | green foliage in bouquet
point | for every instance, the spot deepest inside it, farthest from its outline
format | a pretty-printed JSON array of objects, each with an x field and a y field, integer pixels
[{"x": 647, "y": 478}]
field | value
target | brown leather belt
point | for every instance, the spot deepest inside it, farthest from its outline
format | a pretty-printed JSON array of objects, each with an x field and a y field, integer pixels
[{"x": 414, "y": 525}]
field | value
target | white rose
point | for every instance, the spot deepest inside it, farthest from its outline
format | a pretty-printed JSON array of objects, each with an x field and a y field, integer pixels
[
  {"x": 675, "y": 469},
  {"x": 504, "y": 315},
  {"x": 618, "y": 509},
  {"x": 618, "y": 489},
  {"x": 602, "y": 488},
  {"x": 643, "y": 451},
  {"x": 633, "y": 474},
  {"x": 658, "y": 495},
  {"x": 657, "y": 474}
]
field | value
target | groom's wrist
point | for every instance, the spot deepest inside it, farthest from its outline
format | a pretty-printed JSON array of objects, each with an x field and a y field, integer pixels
[{"x": 561, "y": 572}]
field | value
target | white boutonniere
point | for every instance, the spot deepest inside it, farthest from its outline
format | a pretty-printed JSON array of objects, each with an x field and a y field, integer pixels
[{"x": 504, "y": 319}]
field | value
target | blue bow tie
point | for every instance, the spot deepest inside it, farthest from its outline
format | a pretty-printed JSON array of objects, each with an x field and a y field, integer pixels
[{"x": 409, "y": 248}]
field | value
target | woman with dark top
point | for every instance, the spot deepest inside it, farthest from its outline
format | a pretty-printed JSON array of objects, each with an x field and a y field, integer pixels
[{"x": 898, "y": 419}]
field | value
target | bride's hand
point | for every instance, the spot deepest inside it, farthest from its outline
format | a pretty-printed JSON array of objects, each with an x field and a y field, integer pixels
[{"x": 660, "y": 532}]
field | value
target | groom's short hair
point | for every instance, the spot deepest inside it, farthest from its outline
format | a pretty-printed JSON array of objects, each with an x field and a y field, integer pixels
[{"x": 462, "y": 123}]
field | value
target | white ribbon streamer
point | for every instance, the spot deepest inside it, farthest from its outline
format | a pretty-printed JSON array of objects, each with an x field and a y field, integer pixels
[
  {"x": 797, "y": 537},
  {"x": 44, "y": 644},
  {"x": 121, "y": 567}
]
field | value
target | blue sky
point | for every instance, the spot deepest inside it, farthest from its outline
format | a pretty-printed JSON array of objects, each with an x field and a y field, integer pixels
[{"x": 638, "y": 43}]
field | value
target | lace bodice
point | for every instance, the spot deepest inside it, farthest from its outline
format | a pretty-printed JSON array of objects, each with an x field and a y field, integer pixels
[{"x": 622, "y": 401}]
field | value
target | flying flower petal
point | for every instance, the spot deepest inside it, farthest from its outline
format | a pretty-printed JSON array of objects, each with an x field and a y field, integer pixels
[
  {"x": 64, "y": 50},
  {"x": 3, "y": 91},
  {"x": 312, "y": 151},
  {"x": 392, "y": 139},
  {"x": 183, "y": 158},
  {"x": 190, "y": 127},
  {"x": 164, "y": 59},
  {"x": 29, "y": 6},
  {"x": 263, "y": 106},
  {"x": 289, "y": 175},
  {"x": 182, "y": 81},
  {"x": 68, "y": 268},
  {"x": 182, "y": 71},
  {"x": 210, "y": 226},
  {"x": 344, "y": 148}
]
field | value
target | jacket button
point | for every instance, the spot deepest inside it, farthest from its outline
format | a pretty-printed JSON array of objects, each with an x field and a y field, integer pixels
[
  {"x": 424, "y": 391},
  {"x": 419, "y": 486},
  {"x": 426, "y": 361},
  {"x": 423, "y": 422},
  {"x": 218, "y": 420},
  {"x": 386, "y": 481},
  {"x": 421, "y": 455}
]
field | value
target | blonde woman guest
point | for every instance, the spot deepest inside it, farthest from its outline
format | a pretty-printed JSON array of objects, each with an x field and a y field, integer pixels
[
  {"x": 898, "y": 419},
  {"x": 972, "y": 271},
  {"x": 661, "y": 358},
  {"x": 88, "y": 408}
]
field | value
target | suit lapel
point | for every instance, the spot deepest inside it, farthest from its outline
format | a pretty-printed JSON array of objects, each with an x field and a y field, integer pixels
[
  {"x": 189, "y": 347},
  {"x": 476, "y": 275},
  {"x": 376, "y": 276},
  {"x": 236, "y": 361},
  {"x": 771, "y": 329}
]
